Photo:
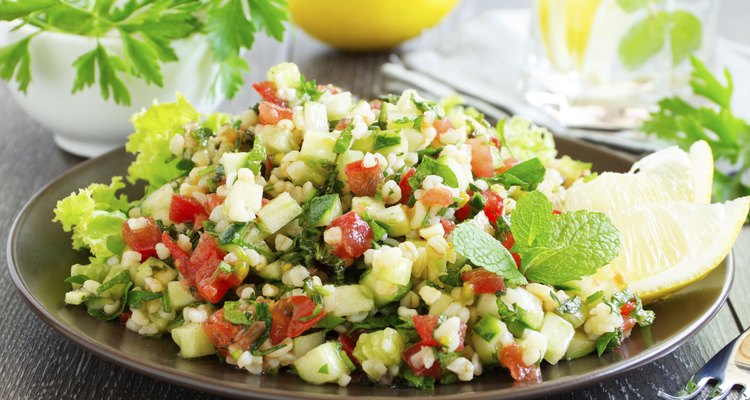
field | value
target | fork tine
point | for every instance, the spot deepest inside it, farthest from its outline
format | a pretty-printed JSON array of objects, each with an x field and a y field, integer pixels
[
  {"x": 698, "y": 389},
  {"x": 724, "y": 389},
  {"x": 743, "y": 394}
]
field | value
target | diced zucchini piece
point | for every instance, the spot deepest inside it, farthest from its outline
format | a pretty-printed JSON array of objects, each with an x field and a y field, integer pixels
[
  {"x": 277, "y": 140},
  {"x": 395, "y": 219},
  {"x": 279, "y": 212},
  {"x": 349, "y": 300},
  {"x": 179, "y": 295},
  {"x": 580, "y": 345},
  {"x": 323, "y": 210},
  {"x": 559, "y": 333},
  {"x": 271, "y": 271},
  {"x": 534, "y": 346},
  {"x": 193, "y": 341},
  {"x": 528, "y": 307},
  {"x": 152, "y": 268},
  {"x": 488, "y": 336},
  {"x": 318, "y": 147},
  {"x": 323, "y": 364},
  {"x": 75, "y": 297},
  {"x": 337, "y": 105},
  {"x": 365, "y": 144},
  {"x": 284, "y": 75},
  {"x": 384, "y": 345},
  {"x": 305, "y": 343},
  {"x": 367, "y": 205},
  {"x": 383, "y": 292}
]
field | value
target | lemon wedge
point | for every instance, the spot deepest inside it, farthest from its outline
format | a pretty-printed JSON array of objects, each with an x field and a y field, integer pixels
[
  {"x": 565, "y": 28},
  {"x": 671, "y": 236},
  {"x": 668, "y": 175},
  {"x": 667, "y": 246}
]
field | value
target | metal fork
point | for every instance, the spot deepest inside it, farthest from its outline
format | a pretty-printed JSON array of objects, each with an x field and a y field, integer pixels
[{"x": 729, "y": 368}]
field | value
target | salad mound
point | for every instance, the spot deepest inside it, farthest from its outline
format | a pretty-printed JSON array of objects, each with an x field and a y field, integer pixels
[{"x": 399, "y": 240}]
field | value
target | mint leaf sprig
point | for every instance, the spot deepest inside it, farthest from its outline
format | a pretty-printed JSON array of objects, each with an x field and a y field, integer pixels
[
  {"x": 680, "y": 123},
  {"x": 147, "y": 30}
]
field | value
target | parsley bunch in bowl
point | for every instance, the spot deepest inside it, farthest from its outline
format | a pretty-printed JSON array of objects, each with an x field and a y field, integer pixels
[{"x": 147, "y": 31}]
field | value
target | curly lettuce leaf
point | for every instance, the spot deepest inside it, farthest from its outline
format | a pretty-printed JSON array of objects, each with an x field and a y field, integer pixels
[
  {"x": 95, "y": 215},
  {"x": 524, "y": 140},
  {"x": 154, "y": 129}
]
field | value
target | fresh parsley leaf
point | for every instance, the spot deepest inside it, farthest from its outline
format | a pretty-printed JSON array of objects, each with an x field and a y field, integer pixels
[
  {"x": 143, "y": 57},
  {"x": 483, "y": 250},
  {"x": 344, "y": 140},
  {"x": 109, "y": 82},
  {"x": 233, "y": 314},
  {"x": 308, "y": 89},
  {"x": 15, "y": 60},
  {"x": 559, "y": 248},
  {"x": 608, "y": 341},
  {"x": 430, "y": 166},
  {"x": 10, "y": 10},
  {"x": 526, "y": 175},
  {"x": 419, "y": 382},
  {"x": 330, "y": 321},
  {"x": 269, "y": 16},
  {"x": 263, "y": 314},
  {"x": 85, "y": 74},
  {"x": 452, "y": 277},
  {"x": 123, "y": 278},
  {"x": 137, "y": 297}
]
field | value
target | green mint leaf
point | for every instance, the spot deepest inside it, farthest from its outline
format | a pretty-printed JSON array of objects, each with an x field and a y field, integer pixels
[
  {"x": 122, "y": 278},
  {"x": 228, "y": 30},
  {"x": 686, "y": 35},
  {"x": 85, "y": 74},
  {"x": 10, "y": 10},
  {"x": 269, "y": 15},
  {"x": 531, "y": 219},
  {"x": 233, "y": 233},
  {"x": 643, "y": 40},
  {"x": 15, "y": 60},
  {"x": 262, "y": 314},
  {"x": 419, "y": 382},
  {"x": 429, "y": 166},
  {"x": 526, "y": 175},
  {"x": 484, "y": 251},
  {"x": 329, "y": 322},
  {"x": 143, "y": 58},
  {"x": 344, "y": 140},
  {"x": 233, "y": 314},
  {"x": 137, "y": 297},
  {"x": 384, "y": 139},
  {"x": 577, "y": 244},
  {"x": 77, "y": 279},
  {"x": 109, "y": 82}
]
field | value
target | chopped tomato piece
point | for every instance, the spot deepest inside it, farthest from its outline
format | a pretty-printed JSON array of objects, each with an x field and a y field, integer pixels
[
  {"x": 212, "y": 283},
  {"x": 220, "y": 331},
  {"x": 292, "y": 316},
  {"x": 181, "y": 257},
  {"x": 508, "y": 163},
  {"x": 213, "y": 201},
  {"x": 437, "y": 196},
  {"x": 343, "y": 123},
  {"x": 509, "y": 241},
  {"x": 493, "y": 205},
  {"x": 267, "y": 90},
  {"x": 627, "y": 308},
  {"x": 483, "y": 281},
  {"x": 376, "y": 104},
  {"x": 434, "y": 371},
  {"x": 448, "y": 226},
  {"x": 403, "y": 184},
  {"x": 442, "y": 125},
  {"x": 511, "y": 357},
  {"x": 348, "y": 343},
  {"x": 356, "y": 236},
  {"x": 186, "y": 209},
  {"x": 463, "y": 212},
  {"x": 556, "y": 212},
  {"x": 517, "y": 259},
  {"x": 495, "y": 141},
  {"x": 627, "y": 326},
  {"x": 271, "y": 114},
  {"x": 481, "y": 158},
  {"x": 362, "y": 180},
  {"x": 425, "y": 326},
  {"x": 125, "y": 316},
  {"x": 142, "y": 240}
]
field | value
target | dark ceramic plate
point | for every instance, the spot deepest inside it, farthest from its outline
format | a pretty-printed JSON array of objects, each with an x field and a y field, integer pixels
[{"x": 39, "y": 258}]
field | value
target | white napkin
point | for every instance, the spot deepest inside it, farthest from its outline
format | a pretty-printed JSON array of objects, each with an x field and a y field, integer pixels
[{"x": 483, "y": 59}]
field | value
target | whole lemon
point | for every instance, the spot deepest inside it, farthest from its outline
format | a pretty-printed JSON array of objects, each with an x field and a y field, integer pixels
[{"x": 361, "y": 25}]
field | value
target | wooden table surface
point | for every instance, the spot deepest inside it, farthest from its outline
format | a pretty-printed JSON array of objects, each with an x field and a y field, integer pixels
[{"x": 37, "y": 363}]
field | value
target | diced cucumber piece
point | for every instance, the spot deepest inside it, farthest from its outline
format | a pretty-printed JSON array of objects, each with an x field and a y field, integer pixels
[
  {"x": 159, "y": 200},
  {"x": 75, "y": 297},
  {"x": 365, "y": 144},
  {"x": 383, "y": 292},
  {"x": 580, "y": 345},
  {"x": 559, "y": 333},
  {"x": 323, "y": 364},
  {"x": 527, "y": 306},
  {"x": 349, "y": 300},
  {"x": 534, "y": 346},
  {"x": 305, "y": 343},
  {"x": 347, "y": 157},
  {"x": 94, "y": 271},
  {"x": 367, "y": 206},
  {"x": 486, "y": 304},
  {"x": 488, "y": 336},
  {"x": 413, "y": 138},
  {"x": 193, "y": 341},
  {"x": 316, "y": 119},
  {"x": 179, "y": 295},
  {"x": 395, "y": 219},
  {"x": 337, "y": 105},
  {"x": 284, "y": 75},
  {"x": 279, "y": 212},
  {"x": 270, "y": 272},
  {"x": 322, "y": 210},
  {"x": 318, "y": 147},
  {"x": 462, "y": 172},
  {"x": 232, "y": 162},
  {"x": 384, "y": 345},
  {"x": 152, "y": 268},
  {"x": 385, "y": 110},
  {"x": 277, "y": 140}
]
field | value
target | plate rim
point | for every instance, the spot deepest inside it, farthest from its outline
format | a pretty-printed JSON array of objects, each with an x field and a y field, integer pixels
[{"x": 200, "y": 383}]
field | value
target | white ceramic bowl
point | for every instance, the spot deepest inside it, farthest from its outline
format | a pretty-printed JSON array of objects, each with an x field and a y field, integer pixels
[{"x": 84, "y": 123}]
